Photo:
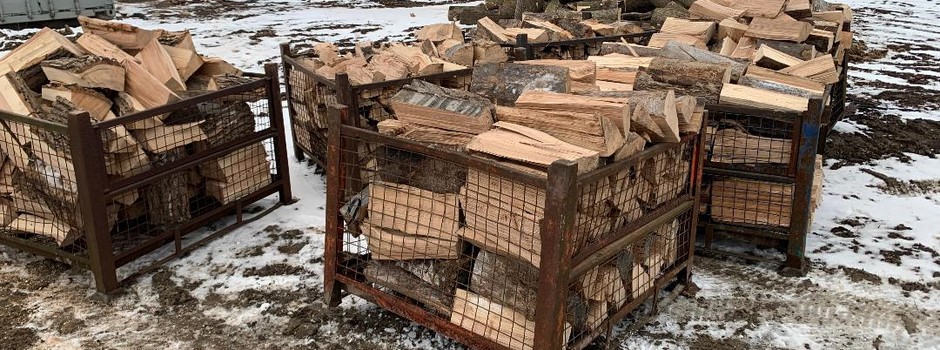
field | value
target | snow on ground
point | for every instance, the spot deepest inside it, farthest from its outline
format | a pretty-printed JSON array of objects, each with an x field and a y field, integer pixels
[{"x": 875, "y": 282}]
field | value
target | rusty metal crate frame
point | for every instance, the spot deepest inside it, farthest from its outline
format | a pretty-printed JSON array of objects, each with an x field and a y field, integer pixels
[
  {"x": 94, "y": 188},
  {"x": 344, "y": 93},
  {"x": 559, "y": 264},
  {"x": 806, "y": 136}
]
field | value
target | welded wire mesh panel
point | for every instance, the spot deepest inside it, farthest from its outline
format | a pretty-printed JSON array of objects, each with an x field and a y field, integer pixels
[
  {"x": 167, "y": 202},
  {"x": 307, "y": 102},
  {"x": 38, "y": 190},
  {"x": 459, "y": 241},
  {"x": 639, "y": 188},
  {"x": 837, "y": 100},
  {"x": 743, "y": 201},
  {"x": 750, "y": 142},
  {"x": 615, "y": 287},
  {"x": 309, "y": 96}
]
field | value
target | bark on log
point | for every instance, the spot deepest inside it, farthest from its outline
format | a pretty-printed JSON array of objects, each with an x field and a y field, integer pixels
[
  {"x": 44, "y": 45},
  {"x": 123, "y": 35},
  {"x": 505, "y": 82},
  {"x": 426, "y": 104},
  {"x": 386, "y": 274},
  {"x": 167, "y": 199},
  {"x": 702, "y": 80},
  {"x": 685, "y": 52},
  {"x": 86, "y": 71}
]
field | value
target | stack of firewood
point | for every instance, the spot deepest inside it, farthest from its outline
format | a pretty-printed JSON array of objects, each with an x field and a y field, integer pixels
[
  {"x": 774, "y": 55},
  {"x": 526, "y": 116},
  {"x": 439, "y": 48},
  {"x": 110, "y": 71}
]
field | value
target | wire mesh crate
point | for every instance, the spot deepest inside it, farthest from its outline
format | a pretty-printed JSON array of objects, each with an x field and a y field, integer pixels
[
  {"x": 85, "y": 190},
  {"x": 308, "y": 94},
  {"x": 761, "y": 178},
  {"x": 478, "y": 250}
]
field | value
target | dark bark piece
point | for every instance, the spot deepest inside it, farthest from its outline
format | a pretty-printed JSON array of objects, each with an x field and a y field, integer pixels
[
  {"x": 629, "y": 49},
  {"x": 168, "y": 198},
  {"x": 687, "y": 52},
  {"x": 427, "y": 104},
  {"x": 468, "y": 15},
  {"x": 802, "y": 51},
  {"x": 504, "y": 82},
  {"x": 702, "y": 80},
  {"x": 387, "y": 275},
  {"x": 86, "y": 71}
]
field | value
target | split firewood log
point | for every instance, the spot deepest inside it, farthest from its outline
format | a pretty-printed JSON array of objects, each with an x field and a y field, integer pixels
[
  {"x": 430, "y": 105},
  {"x": 505, "y": 82},
  {"x": 86, "y": 71}
]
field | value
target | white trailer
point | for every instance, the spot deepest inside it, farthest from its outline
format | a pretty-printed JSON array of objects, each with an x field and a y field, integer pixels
[{"x": 26, "y": 11}]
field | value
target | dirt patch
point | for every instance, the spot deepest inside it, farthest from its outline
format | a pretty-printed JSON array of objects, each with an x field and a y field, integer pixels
[
  {"x": 897, "y": 235},
  {"x": 860, "y": 52},
  {"x": 907, "y": 187},
  {"x": 66, "y": 323},
  {"x": 169, "y": 292},
  {"x": 278, "y": 269},
  {"x": 705, "y": 342},
  {"x": 43, "y": 272},
  {"x": 264, "y": 33},
  {"x": 14, "y": 334},
  {"x": 292, "y": 248},
  {"x": 843, "y": 232},
  {"x": 909, "y": 286},
  {"x": 885, "y": 136},
  {"x": 857, "y": 275},
  {"x": 854, "y": 222}
]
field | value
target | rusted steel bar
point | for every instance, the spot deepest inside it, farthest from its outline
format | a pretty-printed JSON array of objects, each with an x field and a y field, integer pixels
[
  {"x": 117, "y": 187},
  {"x": 803, "y": 189},
  {"x": 463, "y": 159},
  {"x": 587, "y": 41},
  {"x": 44, "y": 250},
  {"x": 44, "y": 124},
  {"x": 275, "y": 112},
  {"x": 194, "y": 224},
  {"x": 405, "y": 81},
  {"x": 585, "y": 263},
  {"x": 557, "y": 231},
  {"x": 695, "y": 187},
  {"x": 627, "y": 308},
  {"x": 744, "y": 174},
  {"x": 419, "y": 315},
  {"x": 334, "y": 223},
  {"x": 88, "y": 157},
  {"x": 767, "y": 231},
  {"x": 629, "y": 230},
  {"x": 289, "y": 60},
  {"x": 175, "y": 106},
  {"x": 624, "y": 164},
  {"x": 763, "y": 113},
  {"x": 291, "y": 113}
]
